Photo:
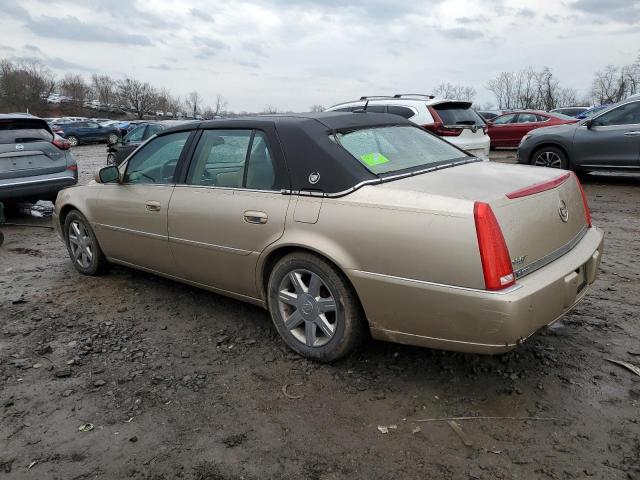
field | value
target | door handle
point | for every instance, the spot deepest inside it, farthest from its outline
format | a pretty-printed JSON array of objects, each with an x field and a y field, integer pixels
[
  {"x": 634, "y": 133},
  {"x": 152, "y": 206},
  {"x": 259, "y": 218}
]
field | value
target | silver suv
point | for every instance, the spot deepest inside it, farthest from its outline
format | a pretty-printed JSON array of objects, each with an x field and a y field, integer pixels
[
  {"x": 453, "y": 120},
  {"x": 35, "y": 164}
]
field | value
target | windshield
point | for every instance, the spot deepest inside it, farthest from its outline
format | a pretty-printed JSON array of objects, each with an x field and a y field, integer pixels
[{"x": 390, "y": 149}]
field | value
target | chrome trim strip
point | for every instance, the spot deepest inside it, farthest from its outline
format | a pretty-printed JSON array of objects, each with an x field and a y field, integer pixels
[
  {"x": 35, "y": 181},
  {"x": 376, "y": 181},
  {"x": 210, "y": 246},
  {"x": 551, "y": 257},
  {"x": 133, "y": 232},
  {"x": 214, "y": 187},
  {"x": 510, "y": 289}
]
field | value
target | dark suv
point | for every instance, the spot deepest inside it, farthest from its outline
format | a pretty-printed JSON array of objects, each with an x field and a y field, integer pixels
[
  {"x": 117, "y": 152},
  {"x": 86, "y": 132},
  {"x": 34, "y": 162}
]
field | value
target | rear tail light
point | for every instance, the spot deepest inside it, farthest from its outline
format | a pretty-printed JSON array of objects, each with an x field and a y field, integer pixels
[
  {"x": 73, "y": 167},
  {"x": 61, "y": 143},
  {"x": 443, "y": 131},
  {"x": 539, "y": 187},
  {"x": 587, "y": 212},
  {"x": 494, "y": 255}
]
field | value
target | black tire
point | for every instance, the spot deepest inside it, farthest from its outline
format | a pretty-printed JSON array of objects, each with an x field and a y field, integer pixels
[
  {"x": 98, "y": 263},
  {"x": 350, "y": 326},
  {"x": 73, "y": 140},
  {"x": 1, "y": 238},
  {"x": 551, "y": 157},
  {"x": 112, "y": 138}
]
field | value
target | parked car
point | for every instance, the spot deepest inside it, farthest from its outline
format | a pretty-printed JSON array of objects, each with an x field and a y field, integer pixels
[
  {"x": 608, "y": 140},
  {"x": 453, "y": 120},
  {"x": 343, "y": 223},
  {"x": 86, "y": 132},
  {"x": 592, "y": 111},
  {"x": 507, "y": 130},
  {"x": 570, "y": 111},
  {"x": 117, "y": 152},
  {"x": 34, "y": 162}
]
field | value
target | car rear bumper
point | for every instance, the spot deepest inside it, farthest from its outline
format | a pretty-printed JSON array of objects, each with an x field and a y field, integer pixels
[
  {"x": 37, "y": 185},
  {"x": 476, "y": 321}
]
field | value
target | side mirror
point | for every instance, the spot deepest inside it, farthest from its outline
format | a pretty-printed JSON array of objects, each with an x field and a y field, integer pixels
[
  {"x": 109, "y": 174},
  {"x": 589, "y": 123}
]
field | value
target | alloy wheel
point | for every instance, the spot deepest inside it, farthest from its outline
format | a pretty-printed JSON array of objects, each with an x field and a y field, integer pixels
[
  {"x": 81, "y": 244},
  {"x": 113, "y": 138},
  {"x": 308, "y": 307},
  {"x": 548, "y": 159},
  {"x": 73, "y": 141}
]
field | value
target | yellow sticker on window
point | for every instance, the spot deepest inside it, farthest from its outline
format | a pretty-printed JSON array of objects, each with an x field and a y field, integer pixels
[{"x": 374, "y": 158}]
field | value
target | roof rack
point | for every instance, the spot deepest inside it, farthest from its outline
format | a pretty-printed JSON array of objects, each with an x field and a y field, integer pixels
[
  {"x": 371, "y": 97},
  {"x": 422, "y": 95}
]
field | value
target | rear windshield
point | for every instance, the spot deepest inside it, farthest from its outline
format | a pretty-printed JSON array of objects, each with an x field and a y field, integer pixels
[
  {"x": 458, "y": 114},
  {"x": 393, "y": 148},
  {"x": 24, "y": 131}
]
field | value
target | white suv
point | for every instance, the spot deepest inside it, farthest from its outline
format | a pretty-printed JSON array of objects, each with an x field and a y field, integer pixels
[{"x": 453, "y": 120}]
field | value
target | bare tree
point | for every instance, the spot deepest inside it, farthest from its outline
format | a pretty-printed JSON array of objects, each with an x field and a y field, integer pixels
[
  {"x": 220, "y": 105},
  {"x": 455, "y": 92},
  {"x": 73, "y": 86},
  {"x": 25, "y": 85},
  {"x": 270, "y": 110},
  {"x": 193, "y": 102},
  {"x": 140, "y": 97},
  {"x": 104, "y": 88},
  {"x": 316, "y": 108}
]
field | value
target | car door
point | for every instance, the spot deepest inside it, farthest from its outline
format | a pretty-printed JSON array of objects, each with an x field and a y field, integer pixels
[
  {"x": 94, "y": 132},
  {"x": 611, "y": 139},
  {"x": 131, "y": 218},
  {"x": 499, "y": 130},
  {"x": 130, "y": 142},
  {"x": 229, "y": 208}
]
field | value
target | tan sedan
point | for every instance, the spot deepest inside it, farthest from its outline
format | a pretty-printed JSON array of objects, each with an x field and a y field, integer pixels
[{"x": 343, "y": 225}]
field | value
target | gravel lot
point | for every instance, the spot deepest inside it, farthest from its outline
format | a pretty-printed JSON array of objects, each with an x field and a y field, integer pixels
[{"x": 181, "y": 383}]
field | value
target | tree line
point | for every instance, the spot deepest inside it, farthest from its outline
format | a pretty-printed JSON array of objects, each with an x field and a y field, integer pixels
[{"x": 25, "y": 86}]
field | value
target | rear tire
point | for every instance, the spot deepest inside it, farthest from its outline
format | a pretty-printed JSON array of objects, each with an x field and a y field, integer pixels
[
  {"x": 73, "y": 140},
  {"x": 112, "y": 138},
  {"x": 314, "y": 308},
  {"x": 550, "y": 157},
  {"x": 111, "y": 159},
  {"x": 84, "y": 251}
]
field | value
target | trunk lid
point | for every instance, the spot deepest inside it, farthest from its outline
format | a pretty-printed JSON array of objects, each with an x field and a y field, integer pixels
[
  {"x": 26, "y": 149},
  {"x": 533, "y": 224}
]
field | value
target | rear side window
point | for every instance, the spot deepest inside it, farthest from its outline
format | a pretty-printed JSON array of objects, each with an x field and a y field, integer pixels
[
  {"x": 527, "y": 118},
  {"x": 504, "y": 119},
  {"x": 23, "y": 131},
  {"x": 458, "y": 114},
  {"x": 405, "y": 112},
  {"x": 152, "y": 130},
  {"x": 233, "y": 159}
]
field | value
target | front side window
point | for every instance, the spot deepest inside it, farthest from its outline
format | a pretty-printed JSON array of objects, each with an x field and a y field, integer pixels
[
  {"x": 628, "y": 114},
  {"x": 233, "y": 159},
  {"x": 393, "y": 148},
  {"x": 156, "y": 161},
  {"x": 152, "y": 130}
]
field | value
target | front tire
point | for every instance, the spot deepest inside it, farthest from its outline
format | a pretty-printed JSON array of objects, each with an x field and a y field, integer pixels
[
  {"x": 82, "y": 245},
  {"x": 112, "y": 138},
  {"x": 73, "y": 140},
  {"x": 111, "y": 159},
  {"x": 551, "y": 157},
  {"x": 314, "y": 308}
]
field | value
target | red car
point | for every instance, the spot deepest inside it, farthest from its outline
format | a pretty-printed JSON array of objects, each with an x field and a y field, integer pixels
[{"x": 507, "y": 130}]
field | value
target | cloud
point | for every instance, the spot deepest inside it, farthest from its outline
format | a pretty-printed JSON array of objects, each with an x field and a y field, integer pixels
[
  {"x": 70, "y": 28},
  {"x": 164, "y": 67},
  {"x": 526, "y": 13},
  {"x": 626, "y": 11},
  {"x": 476, "y": 19},
  {"x": 461, "y": 33},
  {"x": 201, "y": 14},
  {"x": 14, "y": 10},
  {"x": 209, "y": 47}
]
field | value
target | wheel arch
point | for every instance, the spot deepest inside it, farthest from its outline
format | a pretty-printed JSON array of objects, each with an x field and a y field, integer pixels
[
  {"x": 273, "y": 256},
  {"x": 546, "y": 144}
]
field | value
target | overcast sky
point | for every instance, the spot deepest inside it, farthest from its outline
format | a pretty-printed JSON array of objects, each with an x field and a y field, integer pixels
[{"x": 295, "y": 53}]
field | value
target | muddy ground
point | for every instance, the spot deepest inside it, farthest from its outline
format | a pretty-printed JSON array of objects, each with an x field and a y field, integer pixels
[{"x": 181, "y": 383}]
